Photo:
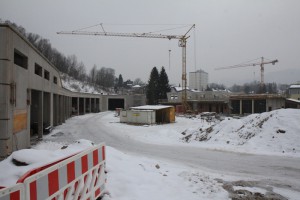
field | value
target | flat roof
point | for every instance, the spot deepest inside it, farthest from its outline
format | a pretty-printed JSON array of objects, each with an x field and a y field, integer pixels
[
  {"x": 151, "y": 107},
  {"x": 294, "y": 100},
  {"x": 295, "y": 86}
]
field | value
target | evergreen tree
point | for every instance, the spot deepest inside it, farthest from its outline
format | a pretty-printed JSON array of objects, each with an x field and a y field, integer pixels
[
  {"x": 120, "y": 81},
  {"x": 163, "y": 84},
  {"x": 152, "y": 92}
]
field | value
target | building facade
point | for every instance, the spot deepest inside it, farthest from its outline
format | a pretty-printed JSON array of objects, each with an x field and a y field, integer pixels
[
  {"x": 200, "y": 101},
  {"x": 32, "y": 97},
  {"x": 256, "y": 103},
  {"x": 294, "y": 92},
  {"x": 198, "y": 80}
]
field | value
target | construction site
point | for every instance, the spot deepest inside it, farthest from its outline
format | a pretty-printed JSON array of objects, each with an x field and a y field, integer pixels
[{"x": 33, "y": 100}]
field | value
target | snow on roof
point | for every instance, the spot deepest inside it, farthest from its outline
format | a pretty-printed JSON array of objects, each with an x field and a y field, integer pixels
[
  {"x": 136, "y": 86},
  {"x": 295, "y": 87},
  {"x": 294, "y": 100},
  {"x": 150, "y": 107},
  {"x": 180, "y": 88}
]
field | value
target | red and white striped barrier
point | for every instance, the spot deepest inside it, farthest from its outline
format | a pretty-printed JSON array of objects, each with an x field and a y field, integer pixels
[
  {"x": 81, "y": 176},
  {"x": 15, "y": 192}
]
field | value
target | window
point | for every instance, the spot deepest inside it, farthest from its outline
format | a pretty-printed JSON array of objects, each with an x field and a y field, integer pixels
[
  {"x": 20, "y": 59},
  {"x": 38, "y": 70},
  {"x": 46, "y": 75},
  {"x": 55, "y": 79}
]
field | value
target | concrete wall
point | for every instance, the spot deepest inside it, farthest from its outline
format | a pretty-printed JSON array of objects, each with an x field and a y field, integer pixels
[
  {"x": 248, "y": 104},
  {"x": 32, "y": 97}
]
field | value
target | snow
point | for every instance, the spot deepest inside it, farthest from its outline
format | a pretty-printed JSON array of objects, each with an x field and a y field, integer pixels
[
  {"x": 138, "y": 177},
  {"x": 74, "y": 85},
  {"x": 294, "y": 100},
  {"x": 150, "y": 107},
  {"x": 40, "y": 155},
  {"x": 131, "y": 177},
  {"x": 250, "y": 189},
  {"x": 256, "y": 133},
  {"x": 295, "y": 87}
]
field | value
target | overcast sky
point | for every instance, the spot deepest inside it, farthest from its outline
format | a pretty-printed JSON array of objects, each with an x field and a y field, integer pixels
[{"x": 227, "y": 32}]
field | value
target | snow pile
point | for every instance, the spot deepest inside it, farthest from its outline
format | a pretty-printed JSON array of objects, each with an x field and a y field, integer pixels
[
  {"x": 275, "y": 132},
  {"x": 79, "y": 86},
  {"x": 20, "y": 162}
]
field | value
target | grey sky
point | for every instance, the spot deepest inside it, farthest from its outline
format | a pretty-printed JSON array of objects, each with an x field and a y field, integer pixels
[{"x": 227, "y": 32}]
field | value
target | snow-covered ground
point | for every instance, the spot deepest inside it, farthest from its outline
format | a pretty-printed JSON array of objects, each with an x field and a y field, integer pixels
[
  {"x": 274, "y": 133},
  {"x": 139, "y": 177}
]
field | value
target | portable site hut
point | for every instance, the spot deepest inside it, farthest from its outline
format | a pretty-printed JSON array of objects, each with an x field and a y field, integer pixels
[{"x": 148, "y": 114}]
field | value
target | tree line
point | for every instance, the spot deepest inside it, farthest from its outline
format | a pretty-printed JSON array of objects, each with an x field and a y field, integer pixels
[{"x": 252, "y": 88}]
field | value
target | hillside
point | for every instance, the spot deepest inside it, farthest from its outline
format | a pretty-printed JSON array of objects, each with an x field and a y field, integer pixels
[{"x": 78, "y": 86}]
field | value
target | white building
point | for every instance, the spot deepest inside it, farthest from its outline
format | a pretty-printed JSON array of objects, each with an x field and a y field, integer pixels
[{"x": 198, "y": 80}]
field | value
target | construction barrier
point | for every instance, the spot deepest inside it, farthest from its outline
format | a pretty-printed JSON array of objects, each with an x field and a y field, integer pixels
[
  {"x": 81, "y": 176},
  {"x": 15, "y": 192}
]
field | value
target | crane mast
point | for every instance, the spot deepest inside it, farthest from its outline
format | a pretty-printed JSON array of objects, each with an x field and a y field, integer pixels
[{"x": 182, "y": 41}]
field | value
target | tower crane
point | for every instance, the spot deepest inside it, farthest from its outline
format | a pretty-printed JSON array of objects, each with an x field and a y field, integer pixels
[
  {"x": 182, "y": 41},
  {"x": 261, "y": 64}
]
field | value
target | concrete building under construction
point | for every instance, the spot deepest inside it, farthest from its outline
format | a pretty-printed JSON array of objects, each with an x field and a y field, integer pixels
[
  {"x": 198, "y": 80},
  {"x": 32, "y": 97}
]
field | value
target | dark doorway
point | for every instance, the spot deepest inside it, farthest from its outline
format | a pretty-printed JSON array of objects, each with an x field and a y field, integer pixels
[
  {"x": 115, "y": 103},
  {"x": 36, "y": 114},
  {"x": 247, "y": 106},
  {"x": 235, "y": 106},
  {"x": 259, "y": 106}
]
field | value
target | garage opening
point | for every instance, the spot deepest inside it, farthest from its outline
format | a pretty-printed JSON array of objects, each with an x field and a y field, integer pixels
[
  {"x": 97, "y": 105},
  {"x": 46, "y": 113},
  {"x": 75, "y": 105},
  {"x": 260, "y": 106},
  {"x": 36, "y": 114},
  {"x": 55, "y": 109},
  {"x": 87, "y": 105},
  {"x": 115, "y": 103},
  {"x": 81, "y": 106},
  {"x": 247, "y": 106},
  {"x": 235, "y": 106}
]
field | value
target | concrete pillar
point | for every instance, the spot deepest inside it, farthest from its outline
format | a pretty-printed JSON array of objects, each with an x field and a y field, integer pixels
[
  {"x": 241, "y": 107},
  {"x": 252, "y": 106}
]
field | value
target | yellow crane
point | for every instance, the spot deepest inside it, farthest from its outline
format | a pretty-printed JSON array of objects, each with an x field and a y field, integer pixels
[
  {"x": 182, "y": 43},
  {"x": 261, "y": 64}
]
